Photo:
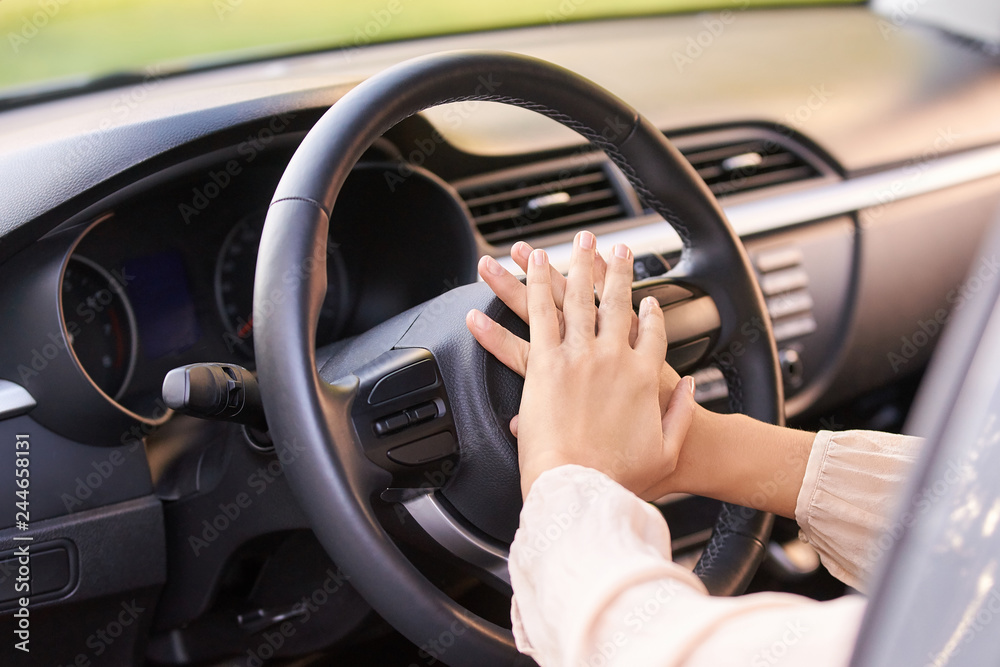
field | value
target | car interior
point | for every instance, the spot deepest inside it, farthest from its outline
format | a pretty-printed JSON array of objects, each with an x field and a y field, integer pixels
[{"x": 233, "y": 353}]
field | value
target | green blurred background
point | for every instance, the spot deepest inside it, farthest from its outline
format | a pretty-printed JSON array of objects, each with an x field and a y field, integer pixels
[{"x": 52, "y": 39}]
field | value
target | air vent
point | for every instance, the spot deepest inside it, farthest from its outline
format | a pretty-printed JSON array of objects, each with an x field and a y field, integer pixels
[
  {"x": 785, "y": 284},
  {"x": 544, "y": 198},
  {"x": 742, "y": 166}
]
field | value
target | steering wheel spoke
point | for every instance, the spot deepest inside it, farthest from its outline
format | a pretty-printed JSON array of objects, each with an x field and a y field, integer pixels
[{"x": 403, "y": 419}]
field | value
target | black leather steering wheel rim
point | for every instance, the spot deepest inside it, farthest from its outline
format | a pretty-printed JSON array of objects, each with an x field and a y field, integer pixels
[{"x": 310, "y": 419}]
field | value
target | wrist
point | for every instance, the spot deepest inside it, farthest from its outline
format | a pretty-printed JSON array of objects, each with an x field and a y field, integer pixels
[
  {"x": 740, "y": 460},
  {"x": 532, "y": 467}
]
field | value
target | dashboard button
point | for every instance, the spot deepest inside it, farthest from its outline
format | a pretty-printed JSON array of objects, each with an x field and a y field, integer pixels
[{"x": 425, "y": 450}]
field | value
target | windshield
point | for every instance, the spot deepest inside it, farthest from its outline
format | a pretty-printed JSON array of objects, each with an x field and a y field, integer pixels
[{"x": 62, "y": 43}]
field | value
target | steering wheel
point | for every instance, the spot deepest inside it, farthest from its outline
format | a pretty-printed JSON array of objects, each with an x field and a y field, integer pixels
[{"x": 409, "y": 420}]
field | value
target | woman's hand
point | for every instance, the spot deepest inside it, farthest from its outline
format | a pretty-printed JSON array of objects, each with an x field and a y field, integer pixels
[
  {"x": 592, "y": 375},
  {"x": 513, "y": 293},
  {"x": 728, "y": 457}
]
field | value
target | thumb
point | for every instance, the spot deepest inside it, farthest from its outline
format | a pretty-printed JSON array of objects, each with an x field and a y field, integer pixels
[{"x": 680, "y": 412}]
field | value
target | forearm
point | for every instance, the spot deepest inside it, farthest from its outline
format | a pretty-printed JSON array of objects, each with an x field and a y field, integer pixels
[
  {"x": 594, "y": 583},
  {"x": 740, "y": 460}
]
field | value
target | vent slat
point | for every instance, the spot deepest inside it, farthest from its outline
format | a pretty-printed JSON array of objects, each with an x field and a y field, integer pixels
[
  {"x": 772, "y": 163},
  {"x": 595, "y": 215},
  {"x": 501, "y": 208},
  {"x": 529, "y": 191},
  {"x": 761, "y": 180},
  {"x": 545, "y": 197}
]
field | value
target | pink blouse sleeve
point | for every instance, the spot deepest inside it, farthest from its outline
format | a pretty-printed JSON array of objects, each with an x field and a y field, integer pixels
[
  {"x": 594, "y": 584},
  {"x": 848, "y": 498}
]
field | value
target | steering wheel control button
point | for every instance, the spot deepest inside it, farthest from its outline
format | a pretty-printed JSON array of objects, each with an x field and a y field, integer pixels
[
  {"x": 391, "y": 424},
  {"x": 422, "y": 413},
  {"x": 685, "y": 356},
  {"x": 404, "y": 381},
  {"x": 424, "y": 451},
  {"x": 665, "y": 293}
]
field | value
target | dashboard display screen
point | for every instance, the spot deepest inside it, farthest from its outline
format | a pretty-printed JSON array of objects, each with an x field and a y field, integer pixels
[{"x": 164, "y": 311}]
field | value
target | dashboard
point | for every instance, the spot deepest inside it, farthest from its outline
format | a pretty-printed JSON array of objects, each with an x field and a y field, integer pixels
[
  {"x": 860, "y": 173},
  {"x": 167, "y": 279}
]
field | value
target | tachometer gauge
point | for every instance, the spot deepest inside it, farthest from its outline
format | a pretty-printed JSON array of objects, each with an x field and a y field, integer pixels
[
  {"x": 234, "y": 276},
  {"x": 100, "y": 324}
]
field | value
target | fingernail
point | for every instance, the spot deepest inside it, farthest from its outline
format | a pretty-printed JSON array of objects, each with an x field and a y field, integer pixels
[
  {"x": 481, "y": 321},
  {"x": 689, "y": 383},
  {"x": 649, "y": 303},
  {"x": 621, "y": 251},
  {"x": 493, "y": 266},
  {"x": 586, "y": 240},
  {"x": 539, "y": 258},
  {"x": 520, "y": 249}
]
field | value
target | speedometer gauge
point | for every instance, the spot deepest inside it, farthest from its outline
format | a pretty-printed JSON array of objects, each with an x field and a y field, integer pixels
[
  {"x": 100, "y": 324},
  {"x": 234, "y": 276}
]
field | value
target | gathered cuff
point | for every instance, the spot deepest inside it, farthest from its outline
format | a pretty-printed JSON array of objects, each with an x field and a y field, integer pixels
[{"x": 849, "y": 495}]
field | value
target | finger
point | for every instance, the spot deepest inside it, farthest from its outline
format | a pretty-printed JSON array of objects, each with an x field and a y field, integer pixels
[
  {"x": 513, "y": 424},
  {"x": 510, "y": 350},
  {"x": 614, "y": 317},
  {"x": 542, "y": 320},
  {"x": 579, "y": 311},
  {"x": 680, "y": 412},
  {"x": 510, "y": 290},
  {"x": 520, "y": 252},
  {"x": 600, "y": 273},
  {"x": 651, "y": 342},
  {"x": 668, "y": 380}
]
